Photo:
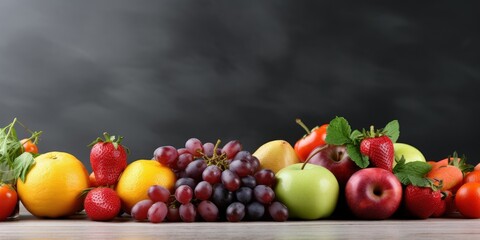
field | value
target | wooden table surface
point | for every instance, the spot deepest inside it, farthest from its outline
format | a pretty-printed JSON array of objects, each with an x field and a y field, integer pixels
[{"x": 79, "y": 227}]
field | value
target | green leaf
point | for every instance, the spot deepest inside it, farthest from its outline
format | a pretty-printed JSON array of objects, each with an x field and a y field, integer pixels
[
  {"x": 356, "y": 136},
  {"x": 338, "y": 132},
  {"x": 413, "y": 173},
  {"x": 354, "y": 153},
  {"x": 392, "y": 130},
  {"x": 22, "y": 164}
]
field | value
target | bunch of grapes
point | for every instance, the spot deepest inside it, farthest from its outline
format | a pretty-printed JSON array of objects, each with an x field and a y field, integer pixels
[{"x": 217, "y": 184}]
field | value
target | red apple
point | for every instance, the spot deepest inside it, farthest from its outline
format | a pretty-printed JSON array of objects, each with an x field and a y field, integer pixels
[
  {"x": 373, "y": 193},
  {"x": 336, "y": 159}
]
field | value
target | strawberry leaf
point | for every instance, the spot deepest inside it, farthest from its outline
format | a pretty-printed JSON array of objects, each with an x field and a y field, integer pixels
[
  {"x": 413, "y": 173},
  {"x": 392, "y": 130},
  {"x": 338, "y": 132},
  {"x": 354, "y": 153}
]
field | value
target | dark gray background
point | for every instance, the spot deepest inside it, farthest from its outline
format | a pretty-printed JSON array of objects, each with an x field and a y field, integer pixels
[{"x": 160, "y": 72}]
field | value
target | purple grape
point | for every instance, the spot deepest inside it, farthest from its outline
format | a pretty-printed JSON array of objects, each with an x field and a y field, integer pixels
[
  {"x": 158, "y": 193},
  {"x": 230, "y": 180},
  {"x": 183, "y": 160},
  {"x": 173, "y": 215},
  {"x": 241, "y": 167},
  {"x": 194, "y": 146},
  {"x": 208, "y": 211},
  {"x": 195, "y": 169},
  {"x": 278, "y": 211},
  {"x": 184, "y": 194},
  {"x": 212, "y": 174},
  {"x": 203, "y": 190},
  {"x": 208, "y": 149},
  {"x": 185, "y": 181},
  {"x": 244, "y": 195},
  {"x": 265, "y": 177},
  {"x": 165, "y": 155},
  {"x": 139, "y": 211},
  {"x": 249, "y": 181},
  {"x": 221, "y": 196},
  {"x": 255, "y": 211},
  {"x": 263, "y": 194},
  {"x": 235, "y": 212},
  {"x": 157, "y": 212},
  {"x": 232, "y": 148},
  {"x": 187, "y": 212}
]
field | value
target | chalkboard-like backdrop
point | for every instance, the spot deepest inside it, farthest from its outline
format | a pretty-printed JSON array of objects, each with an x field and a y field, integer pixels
[{"x": 160, "y": 72}]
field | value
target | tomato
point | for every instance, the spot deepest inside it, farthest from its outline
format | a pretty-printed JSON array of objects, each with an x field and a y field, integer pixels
[
  {"x": 29, "y": 146},
  {"x": 467, "y": 200},
  {"x": 8, "y": 201},
  {"x": 314, "y": 138},
  {"x": 473, "y": 176}
]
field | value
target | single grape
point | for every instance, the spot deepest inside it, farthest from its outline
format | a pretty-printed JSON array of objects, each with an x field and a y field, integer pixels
[
  {"x": 241, "y": 167},
  {"x": 255, "y": 211},
  {"x": 208, "y": 211},
  {"x": 184, "y": 194},
  {"x": 194, "y": 146},
  {"x": 179, "y": 173},
  {"x": 232, "y": 148},
  {"x": 195, "y": 169},
  {"x": 243, "y": 155},
  {"x": 278, "y": 211},
  {"x": 158, "y": 193},
  {"x": 183, "y": 160},
  {"x": 185, "y": 181},
  {"x": 263, "y": 194},
  {"x": 139, "y": 211},
  {"x": 235, "y": 212},
  {"x": 208, "y": 149},
  {"x": 265, "y": 177},
  {"x": 165, "y": 155},
  {"x": 221, "y": 196},
  {"x": 203, "y": 190},
  {"x": 173, "y": 215},
  {"x": 212, "y": 174},
  {"x": 249, "y": 181},
  {"x": 187, "y": 212},
  {"x": 181, "y": 151},
  {"x": 230, "y": 180},
  {"x": 244, "y": 195},
  {"x": 255, "y": 163},
  {"x": 157, "y": 212}
]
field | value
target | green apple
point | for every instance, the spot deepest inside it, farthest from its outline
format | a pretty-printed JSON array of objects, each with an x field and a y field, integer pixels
[
  {"x": 409, "y": 152},
  {"x": 309, "y": 193}
]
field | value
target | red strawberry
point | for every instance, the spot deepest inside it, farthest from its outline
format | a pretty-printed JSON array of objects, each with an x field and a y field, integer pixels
[
  {"x": 422, "y": 202},
  {"x": 379, "y": 150},
  {"x": 102, "y": 204},
  {"x": 108, "y": 159}
]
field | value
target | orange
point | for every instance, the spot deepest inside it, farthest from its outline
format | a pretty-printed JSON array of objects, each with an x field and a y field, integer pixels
[
  {"x": 140, "y": 175},
  {"x": 53, "y": 186}
]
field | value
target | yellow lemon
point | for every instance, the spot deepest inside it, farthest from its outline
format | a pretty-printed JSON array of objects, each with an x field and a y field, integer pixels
[
  {"x": 53, "y": 186},
  {"x": 140, "y": 175}
]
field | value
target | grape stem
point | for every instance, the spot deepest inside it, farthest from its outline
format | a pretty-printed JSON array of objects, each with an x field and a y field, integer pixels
[{"x": 314, "y": 153}]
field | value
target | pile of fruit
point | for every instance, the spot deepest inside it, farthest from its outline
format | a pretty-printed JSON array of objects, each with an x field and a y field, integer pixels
[{"x": 331, "y": 172}]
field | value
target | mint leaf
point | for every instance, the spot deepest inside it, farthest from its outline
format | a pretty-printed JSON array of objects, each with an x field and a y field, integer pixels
[
  {"x": 354, "y": 153},
  {"x": 412, "y": 173},
  {"x": 22, "y": 164},
  {"x": 392, "y": 130},
  {"x": 338, "y": 132}
]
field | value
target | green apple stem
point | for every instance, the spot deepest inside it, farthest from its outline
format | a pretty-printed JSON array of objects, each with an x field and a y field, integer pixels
[
  {"x": 299, "y": 122},
  {"x": 314, "y": 153}
]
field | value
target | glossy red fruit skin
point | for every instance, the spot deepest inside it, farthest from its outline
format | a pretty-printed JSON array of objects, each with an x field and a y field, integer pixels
[
  {"x": 102, "y": 204},
  {"x": 107, "y": 162},
  {"x": 380, "y": 151},
  {"x": 422, "y": 202}
]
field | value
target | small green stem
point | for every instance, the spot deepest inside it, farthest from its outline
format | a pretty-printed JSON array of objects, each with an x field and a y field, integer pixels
[
  {"x": 314, "y": 153},
  {"x": 299, "y": 122}
]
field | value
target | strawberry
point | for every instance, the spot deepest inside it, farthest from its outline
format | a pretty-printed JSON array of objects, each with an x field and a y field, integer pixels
[
  {"x": 108, "y": 159},
  {"x": 102, "y": 204},
  {"x": 422, "y": 202},
  {"x": 379, "y": 150}
]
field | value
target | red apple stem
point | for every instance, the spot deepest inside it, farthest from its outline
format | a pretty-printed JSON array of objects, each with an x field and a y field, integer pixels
[
  {"x": 314, "y": 153},
  {"x": 299, "y": 122}
]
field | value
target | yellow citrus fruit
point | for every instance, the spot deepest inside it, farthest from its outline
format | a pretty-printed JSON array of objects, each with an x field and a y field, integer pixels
[
  {"x": 140, "y": 175},
  {"x": 53, "y": 186}
]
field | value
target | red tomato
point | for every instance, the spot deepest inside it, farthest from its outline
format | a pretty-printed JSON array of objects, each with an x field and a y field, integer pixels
[
  {"x": 314, "y": 138},
  {"x": 29, "y": 146},
  {"x": 8, "y": 201},
  {"x": 467, "y": 200},
  {"x": 473, "y": 176}
]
